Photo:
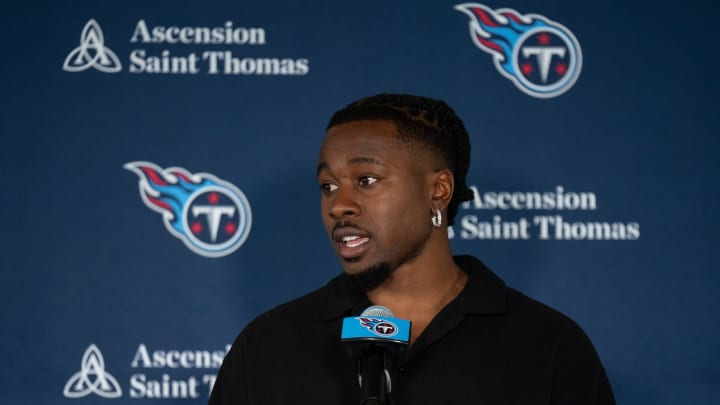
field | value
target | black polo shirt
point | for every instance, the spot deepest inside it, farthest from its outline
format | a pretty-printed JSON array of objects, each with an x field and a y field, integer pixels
[{"x": 491, "y": 345}]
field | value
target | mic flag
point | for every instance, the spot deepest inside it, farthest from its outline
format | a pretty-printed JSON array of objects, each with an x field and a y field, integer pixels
[{"x": 376, "y": 329}]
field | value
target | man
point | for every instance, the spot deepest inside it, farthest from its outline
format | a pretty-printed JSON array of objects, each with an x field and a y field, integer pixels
[{"x": 392, "y": 174}]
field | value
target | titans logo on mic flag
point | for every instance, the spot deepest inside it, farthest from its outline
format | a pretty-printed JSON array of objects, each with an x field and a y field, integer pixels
[
  {"x": 542, "y": 57},
  {"x": 211, "y": 216},
  {"x": 379, "y": 327}
]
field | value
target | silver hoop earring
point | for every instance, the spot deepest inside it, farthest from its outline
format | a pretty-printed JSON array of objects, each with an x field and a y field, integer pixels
[{"x": 437, "y": 218}]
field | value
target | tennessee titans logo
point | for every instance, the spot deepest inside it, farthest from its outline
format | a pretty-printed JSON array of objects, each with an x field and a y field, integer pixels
[
  {"x": 543, "y": 58},
  {"x": 379, "y": 327},
  {"x": 211, "y": 216}
]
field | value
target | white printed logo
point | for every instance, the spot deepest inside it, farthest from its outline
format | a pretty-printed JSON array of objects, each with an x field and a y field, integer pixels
[
  {"x": 92, "y": 377},
  {"x": 92, "y": 52}
]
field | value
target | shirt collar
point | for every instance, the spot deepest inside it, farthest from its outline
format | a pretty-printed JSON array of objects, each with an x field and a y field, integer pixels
[{"x": 484, "y": 293}]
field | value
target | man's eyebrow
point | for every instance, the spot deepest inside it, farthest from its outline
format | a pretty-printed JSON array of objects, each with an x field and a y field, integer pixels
[{"x": 361, "y": 159}]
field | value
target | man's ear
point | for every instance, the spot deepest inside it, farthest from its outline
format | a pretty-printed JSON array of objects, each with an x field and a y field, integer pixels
[{"x": 442, "y": 189}]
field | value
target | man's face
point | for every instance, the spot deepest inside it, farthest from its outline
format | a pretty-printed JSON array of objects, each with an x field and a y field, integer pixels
[{"x": 375, "y": 196}]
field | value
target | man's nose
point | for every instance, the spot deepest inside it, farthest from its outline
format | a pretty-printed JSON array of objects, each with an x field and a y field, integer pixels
[{"x": 344, "y": 203}]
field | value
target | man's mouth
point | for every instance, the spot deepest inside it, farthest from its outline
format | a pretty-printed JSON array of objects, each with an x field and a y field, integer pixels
[
  {"x": 354, "y": 241},
  {"x": 351, "y": 242},
  {"x": 353, "y": 246}
]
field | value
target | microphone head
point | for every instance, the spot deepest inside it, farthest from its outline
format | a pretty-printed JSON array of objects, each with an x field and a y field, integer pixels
[{"x": 377, "y": 310}]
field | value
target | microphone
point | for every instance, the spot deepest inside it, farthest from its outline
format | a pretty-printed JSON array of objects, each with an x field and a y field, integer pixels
[{"x": 375, "y": 340}]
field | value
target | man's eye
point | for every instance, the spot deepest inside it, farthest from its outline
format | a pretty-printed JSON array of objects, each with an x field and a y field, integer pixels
[
  {"x": 328, "y": 187},
  {"x": 367, "y": 180}
]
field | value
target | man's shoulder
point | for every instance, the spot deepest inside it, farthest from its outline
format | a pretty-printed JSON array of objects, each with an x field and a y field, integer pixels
[
  {"x": 537, "y": 314},
  {"x": 534, "y": 317},
  {"x": 294, "y": 313},
  {"x": 300, "y": 308}
]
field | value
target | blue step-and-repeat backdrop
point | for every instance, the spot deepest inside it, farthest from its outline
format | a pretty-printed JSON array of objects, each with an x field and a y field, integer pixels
[{"x": 158, "y": 176}]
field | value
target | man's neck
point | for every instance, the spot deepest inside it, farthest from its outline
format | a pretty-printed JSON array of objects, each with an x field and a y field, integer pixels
[{"x": 419, "y": 290}]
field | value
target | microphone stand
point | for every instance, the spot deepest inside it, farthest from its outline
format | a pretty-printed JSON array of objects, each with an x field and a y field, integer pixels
[{"x": 374, "y": 382}]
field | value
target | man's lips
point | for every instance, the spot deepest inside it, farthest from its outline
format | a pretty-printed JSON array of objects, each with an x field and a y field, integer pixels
[
  {"x": 351, "y": 242},
  {"x": 354, "y": 241},
  {"x": 352, "y": 247}
]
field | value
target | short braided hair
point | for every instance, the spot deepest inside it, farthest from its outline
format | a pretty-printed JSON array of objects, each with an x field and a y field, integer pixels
[{"x": 430, "y": 123}]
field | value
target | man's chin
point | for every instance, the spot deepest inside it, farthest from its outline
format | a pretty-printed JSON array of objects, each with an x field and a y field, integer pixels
[{"x": 367, "y": 279}]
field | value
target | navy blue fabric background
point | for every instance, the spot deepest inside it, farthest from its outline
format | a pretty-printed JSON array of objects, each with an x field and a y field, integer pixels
[{"x": 85, "y": 261}]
